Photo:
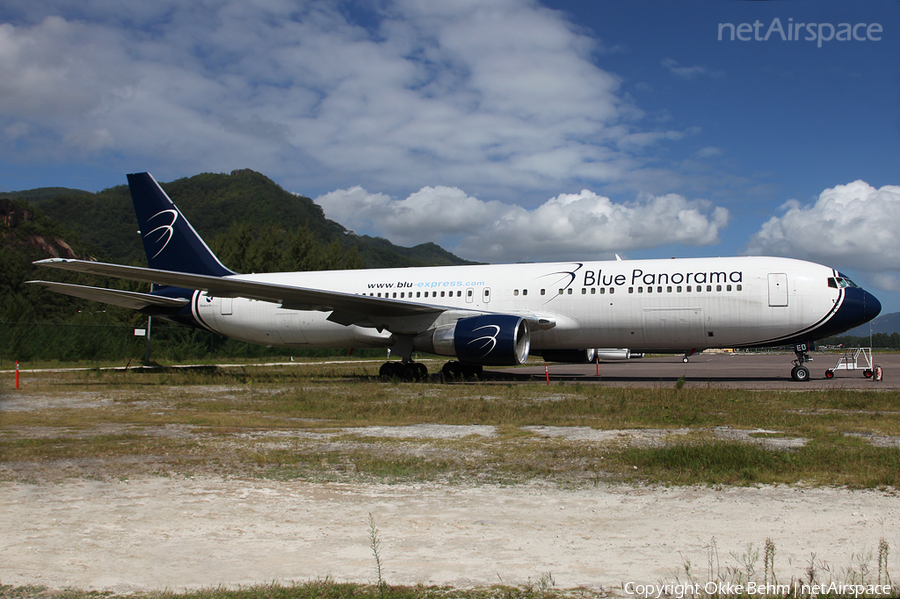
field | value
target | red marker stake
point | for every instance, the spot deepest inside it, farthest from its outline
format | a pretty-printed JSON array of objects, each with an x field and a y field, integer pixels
[
  {"x": 17, "y": 374},
  {"x": 547, "y": 372}
]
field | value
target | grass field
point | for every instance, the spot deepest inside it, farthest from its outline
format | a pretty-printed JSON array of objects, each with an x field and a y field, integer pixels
[{"x": 337, "y": 422}]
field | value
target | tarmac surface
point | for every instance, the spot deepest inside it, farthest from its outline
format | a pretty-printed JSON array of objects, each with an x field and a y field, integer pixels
[{"x": 725, "y": 370}]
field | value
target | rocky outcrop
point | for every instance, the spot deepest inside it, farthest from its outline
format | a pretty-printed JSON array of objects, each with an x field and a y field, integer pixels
[{"x": 13, "y": 216}]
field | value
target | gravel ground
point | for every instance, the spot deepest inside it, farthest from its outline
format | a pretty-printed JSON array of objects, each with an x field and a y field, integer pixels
[{"x": 177, "y": 533}]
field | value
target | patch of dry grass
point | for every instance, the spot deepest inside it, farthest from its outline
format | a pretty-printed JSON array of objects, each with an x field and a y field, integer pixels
[{"x": 284, "y": 421}]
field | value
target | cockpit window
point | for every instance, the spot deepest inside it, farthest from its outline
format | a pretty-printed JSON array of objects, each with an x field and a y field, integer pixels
[{"x": 840, "y": 282}]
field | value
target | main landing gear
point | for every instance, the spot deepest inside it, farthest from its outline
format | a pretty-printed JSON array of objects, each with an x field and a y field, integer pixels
[
  {"x": 801, "y": 372},
  {"x": 410, "y": 371},
  {"x": 405, "y": 371}
]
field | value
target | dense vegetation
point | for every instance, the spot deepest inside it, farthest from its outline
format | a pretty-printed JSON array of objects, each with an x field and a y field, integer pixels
[
  {"x": 213, "y": 203},
  {"x": 251, "y": 223},
  {"x": 878, "y": 340}
]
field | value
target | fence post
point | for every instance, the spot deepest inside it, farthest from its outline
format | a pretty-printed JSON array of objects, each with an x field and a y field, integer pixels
[{"x": 147, "y": 352}]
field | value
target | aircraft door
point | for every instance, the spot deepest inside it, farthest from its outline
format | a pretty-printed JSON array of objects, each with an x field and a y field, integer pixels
[
  {"x": 778, "y": 290},
  {"x": 470, "y": 295},
  {"x": 486, "y": 295},
  {"x": 227, "y": 306}
]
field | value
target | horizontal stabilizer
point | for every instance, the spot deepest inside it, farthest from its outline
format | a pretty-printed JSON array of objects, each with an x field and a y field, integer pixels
[{"x": 115, "y": 297}]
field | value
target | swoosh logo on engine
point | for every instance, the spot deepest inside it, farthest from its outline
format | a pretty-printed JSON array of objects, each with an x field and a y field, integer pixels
[{"x": 490, "y": 341}]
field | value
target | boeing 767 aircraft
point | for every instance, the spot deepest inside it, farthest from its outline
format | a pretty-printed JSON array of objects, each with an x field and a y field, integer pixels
[{"x": 484, "y": 314}]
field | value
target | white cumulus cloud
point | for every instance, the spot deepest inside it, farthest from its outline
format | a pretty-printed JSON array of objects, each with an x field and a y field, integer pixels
[
  {"x": 502, "y": 96},
  {"x": 849, "y": 226},
  {"x": 564, "y": 227}
]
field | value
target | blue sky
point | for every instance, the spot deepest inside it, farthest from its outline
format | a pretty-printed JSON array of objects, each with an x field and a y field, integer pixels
[{"x": 505, "y": 131}]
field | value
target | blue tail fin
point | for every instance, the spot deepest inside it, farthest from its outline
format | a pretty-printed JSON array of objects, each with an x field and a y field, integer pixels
[{"x": 169, "y": 239}]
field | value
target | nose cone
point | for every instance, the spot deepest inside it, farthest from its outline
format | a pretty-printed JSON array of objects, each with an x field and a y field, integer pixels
[
  {"x": 859, "y": 307},
  {"x": 871, "y": 306}
]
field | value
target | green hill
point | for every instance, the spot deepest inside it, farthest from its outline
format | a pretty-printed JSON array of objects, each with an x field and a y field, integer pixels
[
  {"x": 26, "y": 235},
  {"x": 212, "y": 203}
]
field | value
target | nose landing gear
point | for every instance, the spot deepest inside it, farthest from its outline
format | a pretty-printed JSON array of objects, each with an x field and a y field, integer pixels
[{"x": 801, "y": 372}]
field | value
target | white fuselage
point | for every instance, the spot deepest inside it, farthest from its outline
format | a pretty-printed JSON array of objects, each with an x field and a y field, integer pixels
[{"x": 690, "y": 303}]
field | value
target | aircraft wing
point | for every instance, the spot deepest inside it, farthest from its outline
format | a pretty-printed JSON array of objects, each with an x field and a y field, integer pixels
[
  {"x": 116, "y": 297},
  {"x": 347, "y": 307}
]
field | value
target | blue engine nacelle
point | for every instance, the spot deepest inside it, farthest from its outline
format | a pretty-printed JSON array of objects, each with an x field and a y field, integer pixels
[
  {"x": 570, "y": 356},
  {"x": 491, "y": 340}
]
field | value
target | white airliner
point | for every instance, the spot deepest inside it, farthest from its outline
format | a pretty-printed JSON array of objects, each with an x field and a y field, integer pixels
[{"x": 482, "y": 314}]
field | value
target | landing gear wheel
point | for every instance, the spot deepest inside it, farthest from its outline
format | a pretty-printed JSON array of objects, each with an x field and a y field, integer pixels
[
  {"x": 410, "y": 371},
  {"x": 800, "y": 373},
  {"x": 422, "y": 371},
  {"x": 452, "y": 370},
  {"x": 685, "y": 359},
  {"x": 867, "y": 373},
  {"x": 390, "y": 370},
  {"x": 829, "y": 374}
]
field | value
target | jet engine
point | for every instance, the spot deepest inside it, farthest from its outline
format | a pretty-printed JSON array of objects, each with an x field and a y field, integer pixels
[
  {"x": 490, "y": 340},
  {"x": 611, "y": 353}
]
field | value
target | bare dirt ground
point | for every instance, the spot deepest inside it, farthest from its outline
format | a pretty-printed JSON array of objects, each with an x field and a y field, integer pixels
[{"x": 176, "y": 533}]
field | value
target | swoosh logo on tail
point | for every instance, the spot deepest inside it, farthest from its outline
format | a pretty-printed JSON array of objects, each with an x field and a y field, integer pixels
[{"x": 165, "y": 231}]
